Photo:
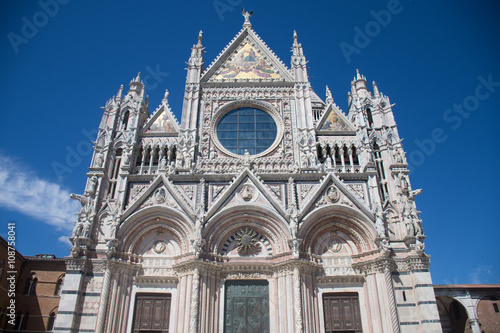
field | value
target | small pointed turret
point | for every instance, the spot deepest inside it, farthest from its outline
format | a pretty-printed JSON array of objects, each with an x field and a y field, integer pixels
[
  {"x": 195, "y": 64},
  {"x": 303, "y": 90},
  {"x": 197, "y": 50},
  {"x": 194, "y": 70},
  {"x": 329, "y": 97},
  {"x": 297, "y": 47},
  {"x": 119, "y": 93},
  {"x": 299, "y": 63},
  {"x": 376, "y": 93}
]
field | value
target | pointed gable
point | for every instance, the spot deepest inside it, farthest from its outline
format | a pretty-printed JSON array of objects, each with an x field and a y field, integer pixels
[
  {"x": 161, "y": 192},
  {"x": 247, "y": 58},
  {"x": 332, "y": 191},
  {"x": 162, "y": 122},
  {"x": 246, "y": 188},
  {"x": 334, "y": 122}
]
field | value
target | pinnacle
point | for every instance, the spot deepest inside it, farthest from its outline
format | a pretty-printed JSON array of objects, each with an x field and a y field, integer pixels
[{"x": 200, "y": 37}]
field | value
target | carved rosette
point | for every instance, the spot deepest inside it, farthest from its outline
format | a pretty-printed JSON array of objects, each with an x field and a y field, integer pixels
[
  {"x": 247, "y": 241},
  {"x": 159, "y": 247}
]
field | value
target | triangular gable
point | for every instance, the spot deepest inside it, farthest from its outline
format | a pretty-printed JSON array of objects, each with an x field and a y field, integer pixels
[
  {"x": 161, "y": 192},
  {"x": 162, "y": 122},
  {"x": 247, "y": 58},
  {"x": 236, "y": 187},
  {"x": 333, "y": 121},
  {"x": 345, "y": 197}
]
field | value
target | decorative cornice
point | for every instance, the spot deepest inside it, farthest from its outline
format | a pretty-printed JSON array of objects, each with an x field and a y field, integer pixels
[
  {"x": 159, "y": 280},
  {"x": 190, "y": 266},
  {"x": 350, "y": 279}
]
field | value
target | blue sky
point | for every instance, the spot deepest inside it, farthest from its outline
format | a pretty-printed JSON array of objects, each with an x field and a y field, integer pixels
[{"x": 62, "y": 62}]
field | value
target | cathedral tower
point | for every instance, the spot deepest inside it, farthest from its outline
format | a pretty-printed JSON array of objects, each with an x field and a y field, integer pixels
[{"x": 266, "y": 209}]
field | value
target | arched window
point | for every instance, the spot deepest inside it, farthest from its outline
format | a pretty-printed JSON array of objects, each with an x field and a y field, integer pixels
[
  {"x": 52, "y": 319},
  {"x": 125, "y": 120},
  {"x": 59, "y": 284},
  {"x": 31, "y": 285},
  {"x": 21, "y": 321},
  {"x": 381, "y": 171},
  {"x": 113, "y": 177},
  {"x": 369, "y": 116},
  {"x": 24, "y": 321},
  {"x": 355, "y": 158}
]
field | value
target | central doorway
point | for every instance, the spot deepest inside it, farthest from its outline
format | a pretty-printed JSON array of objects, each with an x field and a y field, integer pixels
[{"x": 246, "y": 306}]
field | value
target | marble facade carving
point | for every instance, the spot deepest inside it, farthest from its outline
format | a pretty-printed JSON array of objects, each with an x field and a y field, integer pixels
[{"x": 326, "y": 209}]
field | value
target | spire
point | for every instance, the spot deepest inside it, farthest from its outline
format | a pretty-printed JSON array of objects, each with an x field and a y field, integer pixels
[
  {"x": 297, "y": 47},
  {"x": 376, "y": 93},
  {"x": 197, "y": 50},
  {"x": 299, "y": 63},
  {"x": 329, "y": 97},
  {"x": 119, "y": 93},
  {"x": 246, "y": 15}
]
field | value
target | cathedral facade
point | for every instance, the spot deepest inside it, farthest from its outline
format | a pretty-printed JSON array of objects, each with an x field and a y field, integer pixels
[{"x": 265, "y": 209}]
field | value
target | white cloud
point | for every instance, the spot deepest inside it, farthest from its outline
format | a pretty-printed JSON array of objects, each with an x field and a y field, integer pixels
[
  {"x": 481, "y": 274},
  {"x": 22, "y": 191},
  {"x": 65, "y": 240}
]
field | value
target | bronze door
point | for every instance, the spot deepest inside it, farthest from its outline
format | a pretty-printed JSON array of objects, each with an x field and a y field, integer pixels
[
  {"x": 152, "y": 313},
  {"x": 341, "y": 313},
  {"x": 246, "y": 307}
]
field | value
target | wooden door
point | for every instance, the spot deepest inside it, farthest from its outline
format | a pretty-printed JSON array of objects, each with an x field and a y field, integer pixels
[
  {"x": 341, "y": 312},
  {"x": 152, "y": 313}
]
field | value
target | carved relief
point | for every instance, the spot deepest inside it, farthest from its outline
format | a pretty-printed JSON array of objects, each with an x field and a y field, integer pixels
[
  {"x": 160, "y": 195},
  {"x": 159, "y": 247},
  {"x": 335, "y": 245},
  {"x": 248, "y": 193},
  {"x": 247, "y": 241},
  {"x": 332, "y": 194},
  {"x": 358, "y": 189}
]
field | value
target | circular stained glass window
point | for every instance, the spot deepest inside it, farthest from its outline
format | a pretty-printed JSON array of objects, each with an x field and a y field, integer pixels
[{"x": 248, "y": 129}]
